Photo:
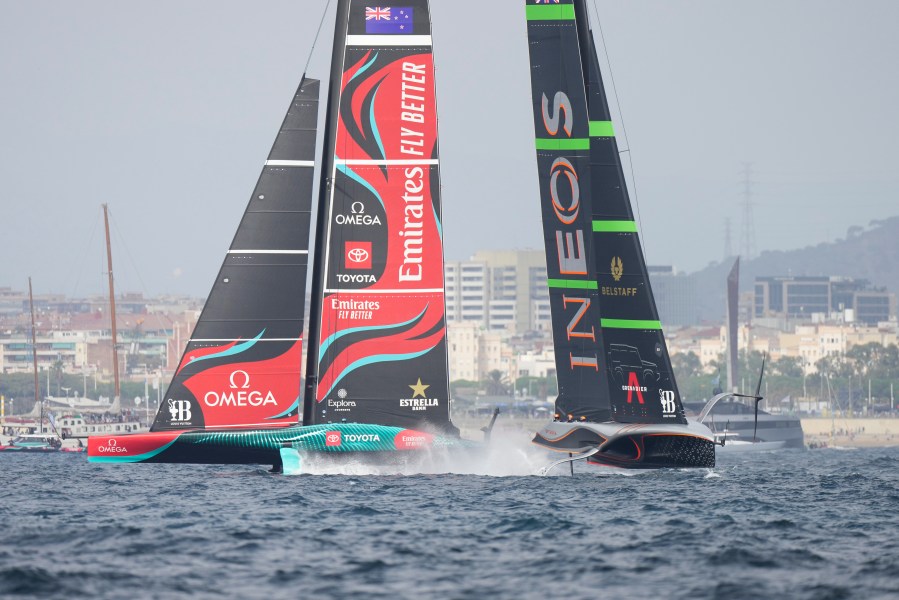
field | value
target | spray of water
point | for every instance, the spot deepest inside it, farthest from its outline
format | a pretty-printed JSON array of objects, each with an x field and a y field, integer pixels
[{"x": 509, "y": 454}]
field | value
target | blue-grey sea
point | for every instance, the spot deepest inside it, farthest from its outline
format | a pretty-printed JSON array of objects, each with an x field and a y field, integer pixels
[{"x": 793, "y": 524}]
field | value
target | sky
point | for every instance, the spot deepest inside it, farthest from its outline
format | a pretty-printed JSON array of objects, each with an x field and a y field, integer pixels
[{"x": 166, "y": 111}]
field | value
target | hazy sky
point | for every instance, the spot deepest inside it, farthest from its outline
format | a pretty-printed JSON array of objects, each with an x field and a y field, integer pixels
[{"x": 167, "y": 109}]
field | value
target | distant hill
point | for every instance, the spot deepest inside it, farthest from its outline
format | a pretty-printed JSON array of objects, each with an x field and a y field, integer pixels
[{"x": 870, "y": 253}]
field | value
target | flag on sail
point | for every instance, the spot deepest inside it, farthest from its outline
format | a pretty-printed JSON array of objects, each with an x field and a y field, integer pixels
[{"x": 388, "y": 20}]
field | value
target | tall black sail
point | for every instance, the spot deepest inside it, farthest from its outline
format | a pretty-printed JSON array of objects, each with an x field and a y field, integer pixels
[
  {"x": 378, "y": 330},
  {"x": 242, "y": 365},
  {"x": 633, "y": 380},
  {"x": 562, "y": 126}
]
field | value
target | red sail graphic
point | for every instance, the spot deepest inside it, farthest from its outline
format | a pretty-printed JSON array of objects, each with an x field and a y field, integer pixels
[{"x": 382, "y": 317}]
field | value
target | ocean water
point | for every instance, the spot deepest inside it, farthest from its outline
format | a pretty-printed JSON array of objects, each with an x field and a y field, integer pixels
[{"x": 795, "y": 524}]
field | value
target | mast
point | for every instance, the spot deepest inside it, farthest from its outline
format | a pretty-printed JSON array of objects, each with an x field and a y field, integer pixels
[
  {"x": 324, "y": 194},
  {"x": 37, "y": 385},
  {"x": 733, "y": 305},
  {"x": 115, "y": 347}
]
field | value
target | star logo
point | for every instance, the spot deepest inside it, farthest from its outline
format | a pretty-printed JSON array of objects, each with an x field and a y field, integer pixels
[{"x": 419, "y": 389}]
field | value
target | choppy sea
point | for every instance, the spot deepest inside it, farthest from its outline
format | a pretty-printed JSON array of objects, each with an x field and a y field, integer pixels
[{"x": 794, "y": 524}]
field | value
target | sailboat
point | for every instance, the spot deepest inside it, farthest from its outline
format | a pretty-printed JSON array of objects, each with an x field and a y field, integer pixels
[
  {"x": 618, "y": 402},
  {"x": 376, "y": 374}
]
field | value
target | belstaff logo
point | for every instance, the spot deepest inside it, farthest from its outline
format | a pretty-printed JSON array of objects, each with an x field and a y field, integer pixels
[
  {"x": 358, "y": 255},
  {"x": 617, "y": 268},
  {"x": 180, "y": 410},
  {"x": 332, "y": 438},
  {"x": 112, "y": 447}
]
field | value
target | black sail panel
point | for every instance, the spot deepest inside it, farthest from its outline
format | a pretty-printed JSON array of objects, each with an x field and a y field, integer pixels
[
  {"x": 563, "y": 161},
  {"x": 641, "y": 380},
  {"x": 242, "y": 365},
  {"x": 380, "y": 352}
]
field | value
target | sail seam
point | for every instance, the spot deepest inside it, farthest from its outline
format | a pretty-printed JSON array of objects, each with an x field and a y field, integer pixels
[
  {"x": 388, "y": 40},
  {"x": 268, "y": 252},
  {"x": 563, "y": 144},
  {"x": 239, "y": 339},
  {"x": 564, "y": 12},
  {"x": 572, "y": 284},
  {"x": 629, "y": 324},
  {"x": 387, "y": 163},
  {"x": 386, "y": 291},
  {"x": 614, "y": 226},
  {"x": 290, "y": 163}
]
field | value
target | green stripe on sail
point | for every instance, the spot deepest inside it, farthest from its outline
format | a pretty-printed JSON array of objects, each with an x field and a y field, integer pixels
[
  {"x": 562, "y": 12},
  {"x": 629, "y": 324},
  {"x": 571, "y": 284},
  {"x": 601, "y": 129},
  {"x": 563, "y": 144},
  {"x": 615, "y": 226}
]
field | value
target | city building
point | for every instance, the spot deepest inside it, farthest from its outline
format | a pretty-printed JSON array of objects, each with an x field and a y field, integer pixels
[
  {"x": 499, "y": 290},
  {"x": 817, "y": 298}
]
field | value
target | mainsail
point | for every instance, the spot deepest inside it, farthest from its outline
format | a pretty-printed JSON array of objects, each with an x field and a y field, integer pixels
[
  {"x": 377, "y": 377},
  {"x": 242, "y": 365},
  {"x": 378, "y": 331},
  {"x": 611, "y": 357}
]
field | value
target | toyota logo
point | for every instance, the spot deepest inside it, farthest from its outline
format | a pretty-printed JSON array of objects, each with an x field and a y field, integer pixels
[
  {"x": 333, "y": 438},
  {"x": 357, "y": 255}
]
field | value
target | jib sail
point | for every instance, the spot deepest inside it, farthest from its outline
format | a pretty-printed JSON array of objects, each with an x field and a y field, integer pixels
[
  {"x": 242, "y": 365},
  {"x": 634, "y": 378},
  {"x": 378, "y": 307}
]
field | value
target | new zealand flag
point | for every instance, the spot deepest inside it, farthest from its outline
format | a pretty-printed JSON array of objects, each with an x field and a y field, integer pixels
[{"x": 388, "y": 19}]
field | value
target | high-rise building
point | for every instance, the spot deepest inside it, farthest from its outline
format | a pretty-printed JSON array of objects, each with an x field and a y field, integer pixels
[{"x": 500, "y": 290}]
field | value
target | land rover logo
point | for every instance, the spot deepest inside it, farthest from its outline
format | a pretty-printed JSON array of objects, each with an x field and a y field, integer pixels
[
  {"x": 617, "y": 268},
  {"x": 357, "y": 255}
]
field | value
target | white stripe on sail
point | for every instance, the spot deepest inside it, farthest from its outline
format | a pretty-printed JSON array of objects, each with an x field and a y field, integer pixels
[
  {"x": 388, "y": 40},
  {"x": 290, "y": 163},
  {"x": 406, "y": 291},
  {"x": 268, "y": 252},
  {"x": 387, "y": 163},
  {"x": 210, "y": 340}
]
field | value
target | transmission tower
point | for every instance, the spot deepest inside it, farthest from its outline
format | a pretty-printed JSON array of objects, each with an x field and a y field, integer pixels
[
  {"x": 747, "y": 236},
  {"x": 728, "y": 247}
]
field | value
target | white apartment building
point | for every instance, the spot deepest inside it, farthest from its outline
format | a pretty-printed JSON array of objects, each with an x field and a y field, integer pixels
[{"x": 501, "y": 290}]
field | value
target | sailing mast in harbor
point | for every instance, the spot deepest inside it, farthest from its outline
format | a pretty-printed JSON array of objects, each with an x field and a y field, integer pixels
[
  {"x": 37, "y": 384},
  {"x": 115, "y": 348}
]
